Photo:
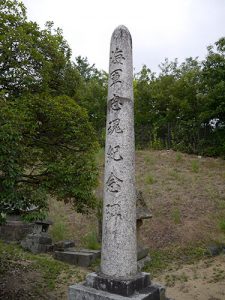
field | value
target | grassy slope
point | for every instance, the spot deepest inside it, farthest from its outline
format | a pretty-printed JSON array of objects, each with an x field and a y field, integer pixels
[
  {"x": 186, "y": 195},
  {"x": 27, "y": 276}
]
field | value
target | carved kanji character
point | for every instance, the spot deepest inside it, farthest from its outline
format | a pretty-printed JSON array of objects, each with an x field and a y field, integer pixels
[
  {"x": 113, "y": 153},
  {"x": 116, "y": 102},
  {"x": 115, "y": 76},
  {"x": 114, "y": 126},
  {"x": 113, "y": 183},
  {"x": 117, "y": 56}
]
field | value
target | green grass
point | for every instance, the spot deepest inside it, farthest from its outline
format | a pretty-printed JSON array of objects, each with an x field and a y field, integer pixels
[
  {"x": 59, "y": 231},
  {"x": 90, "y": 241},
  {"x": 100, "y": 156},
  {"x": 175, "y": 174},
  {"x": 12, "y": 256},
  {"x": 165, "y": 259},
  {"x": 222, "y": 225},
  {"x": 149, "y": 179},
  {"x": 178, "y": 157},
  {"x": 171, "y": 279},
  {"x": 175, "y": 215},
  {"x": 195, "y": 166},
  {"x": 149, "y": 159}
]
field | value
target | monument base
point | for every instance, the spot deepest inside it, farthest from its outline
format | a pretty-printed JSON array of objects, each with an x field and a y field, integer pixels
[
  {"x": 121, "y": 286},
  {"x": 100, "y": 287},
  {"x": 83, "y": 292}
]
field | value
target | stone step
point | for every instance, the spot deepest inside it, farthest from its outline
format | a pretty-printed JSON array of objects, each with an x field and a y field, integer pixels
[{"x": 81, "y": 258}]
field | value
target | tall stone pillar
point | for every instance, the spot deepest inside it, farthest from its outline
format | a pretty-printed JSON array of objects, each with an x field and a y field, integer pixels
[
  {"x": 118, "y": 278},
  {"x": 119, "y": 254}
]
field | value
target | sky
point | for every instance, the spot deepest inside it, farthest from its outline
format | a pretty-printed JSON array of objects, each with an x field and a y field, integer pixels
[{"x": 160, "y": 28}]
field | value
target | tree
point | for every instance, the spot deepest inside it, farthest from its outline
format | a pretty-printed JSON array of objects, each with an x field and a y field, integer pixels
[
  {"x": 46, "y": 147},
  {"x": 92, "y": 95},
  {"x": 213, "y": 93},
  {"x": 144, "y": 106},
  {"x": 33, "y": 60},
  {"x": 47, "y": 144}
]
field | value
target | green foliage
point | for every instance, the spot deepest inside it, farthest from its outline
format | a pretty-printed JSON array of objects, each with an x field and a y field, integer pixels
[
  {"x": 92, "y": 95},
  {"x": 59, "y": 231},
  {"x": 90, "y": 241},
  {"x": 2, "y": 218},
  {"x": 33, "y": 60},
  {"x": 183, "y": 107},
  {"x": 47, "y": 143},
  {"x": 34, "y": 216},
  {"x": 45, "y": 148}
]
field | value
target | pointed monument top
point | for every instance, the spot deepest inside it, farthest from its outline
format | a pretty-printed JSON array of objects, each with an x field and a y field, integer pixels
[
  {"x": 120, "y": 32},
  {"x": 121, "y": 27}
]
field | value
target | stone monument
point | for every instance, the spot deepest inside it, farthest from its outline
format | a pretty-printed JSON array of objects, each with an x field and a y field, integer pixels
[
  {"x": 118, "y": 277},
  {"x": 39, "y": 240}
]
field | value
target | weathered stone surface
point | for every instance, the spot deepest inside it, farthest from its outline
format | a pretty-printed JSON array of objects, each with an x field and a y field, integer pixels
[
  {"x": 37, "y": 243},
  {"x": 42, "y": 226},
  {"x": 82, "y": 292},
  {"x": 142, "y": 252},
  {"x": 118, "y": 286},
  {"x": 15, "y": 230},
  {"x": 143, "y": 211},
  {"x": 81, "y": 258},
  {"x": 119, "y": 256},
  {"x": 118, "y": 278},
  {"x": 62, "y": 245}
]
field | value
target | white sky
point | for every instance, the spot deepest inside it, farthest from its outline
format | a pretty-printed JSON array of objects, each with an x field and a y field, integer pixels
[{"x": 159, "y": 28}]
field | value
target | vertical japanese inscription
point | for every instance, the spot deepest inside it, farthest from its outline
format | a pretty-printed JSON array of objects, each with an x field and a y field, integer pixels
[
  {"x": 118, "y": 249},
  {"x": 114, "y": 183}
]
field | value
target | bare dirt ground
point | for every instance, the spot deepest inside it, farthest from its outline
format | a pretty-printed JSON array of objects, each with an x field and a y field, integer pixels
[{"x": 204, "y": 280}]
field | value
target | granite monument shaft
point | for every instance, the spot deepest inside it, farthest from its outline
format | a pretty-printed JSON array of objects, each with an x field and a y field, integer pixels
[{"x": 119, "y": 254}]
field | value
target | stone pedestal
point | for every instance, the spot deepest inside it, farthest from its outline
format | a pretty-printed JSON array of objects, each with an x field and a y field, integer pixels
[
  {"x": 83, "y": 292},
  {"x": 124, "y": 287}
]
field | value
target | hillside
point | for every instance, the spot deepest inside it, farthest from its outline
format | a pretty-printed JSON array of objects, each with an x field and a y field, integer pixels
[{"x": 186, "y": 195}]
